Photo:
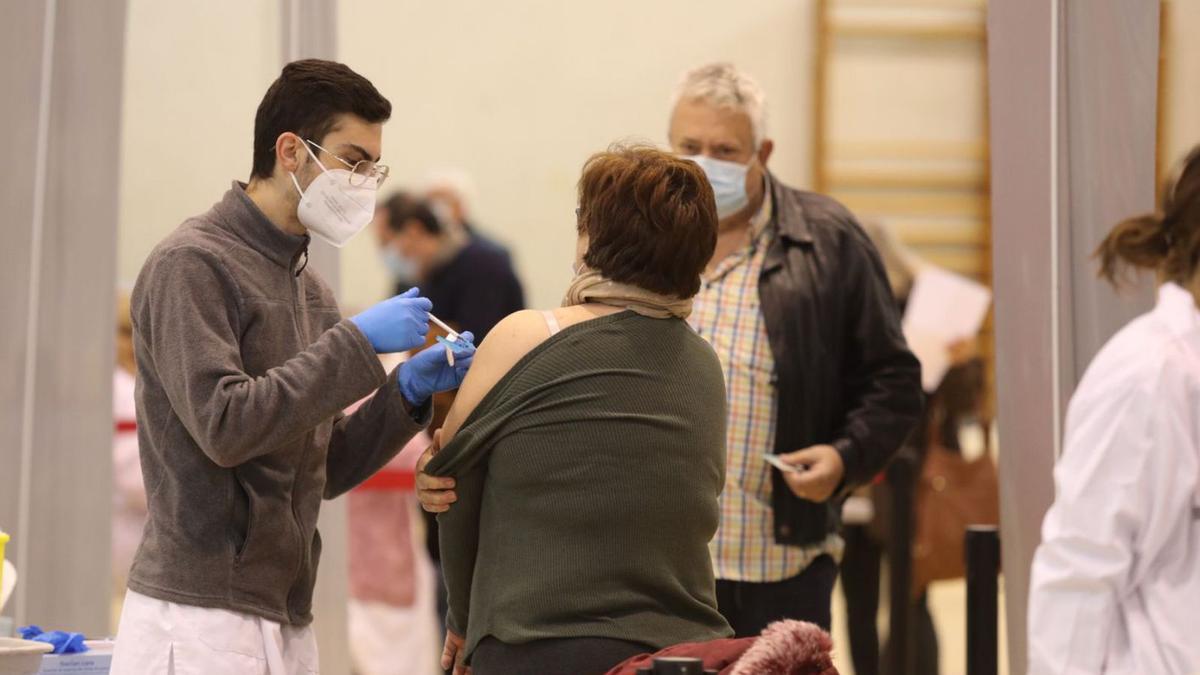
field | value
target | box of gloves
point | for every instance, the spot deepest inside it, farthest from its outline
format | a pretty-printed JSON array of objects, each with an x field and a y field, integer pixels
[{"x": 95, "y": 661}]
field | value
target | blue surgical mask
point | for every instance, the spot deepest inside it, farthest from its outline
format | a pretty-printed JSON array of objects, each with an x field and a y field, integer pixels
[
  {"x": 728, "y": 180},
  {"x": 400, "y": 267}
]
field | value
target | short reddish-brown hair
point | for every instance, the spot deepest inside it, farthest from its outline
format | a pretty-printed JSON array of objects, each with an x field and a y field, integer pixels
[{"x": 650, "y": 218}]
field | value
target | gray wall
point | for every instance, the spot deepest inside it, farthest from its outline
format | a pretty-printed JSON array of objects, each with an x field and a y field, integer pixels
[
  {"x": 1072, "y": 107},
  {"x": 57, "y": 266},
  {"x": 1110, "y": 56}
]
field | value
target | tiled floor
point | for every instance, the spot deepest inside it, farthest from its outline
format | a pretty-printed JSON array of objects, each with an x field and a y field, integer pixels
[{"x": 948, "y": 603}]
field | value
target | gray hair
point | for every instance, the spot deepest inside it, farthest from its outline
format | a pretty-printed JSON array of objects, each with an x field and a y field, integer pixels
[
  {"x": 723, "y": 85},
  {"x": 453, "y": 180}
]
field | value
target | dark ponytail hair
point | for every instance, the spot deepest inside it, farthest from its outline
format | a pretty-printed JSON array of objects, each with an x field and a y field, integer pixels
[
  {"x": 1167, "y": 241},
  {"x": 1139, "y": 242}
]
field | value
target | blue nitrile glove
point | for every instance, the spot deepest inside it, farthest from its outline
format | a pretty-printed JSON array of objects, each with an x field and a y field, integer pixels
[
  {"x": 397, "y": 324},
  {"x": 63, "y": 642},
  {"x": 427, "y": 373}
]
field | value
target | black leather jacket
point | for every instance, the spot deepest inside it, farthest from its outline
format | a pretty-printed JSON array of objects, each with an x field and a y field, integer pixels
[{"x": 845, "y": 376}]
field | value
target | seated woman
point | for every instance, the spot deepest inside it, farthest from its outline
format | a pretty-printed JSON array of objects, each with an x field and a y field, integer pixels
[{"x": 587, "y": 444}]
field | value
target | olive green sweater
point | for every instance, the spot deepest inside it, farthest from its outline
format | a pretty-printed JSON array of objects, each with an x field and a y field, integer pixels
[{"x": 588, "y": 481}]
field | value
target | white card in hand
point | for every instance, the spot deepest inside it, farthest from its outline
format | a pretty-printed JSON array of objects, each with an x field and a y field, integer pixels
[{"x": 778, "y": 463}]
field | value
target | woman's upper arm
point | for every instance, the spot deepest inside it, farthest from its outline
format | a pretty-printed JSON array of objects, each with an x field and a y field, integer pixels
[{"x": 505, "y": 345}]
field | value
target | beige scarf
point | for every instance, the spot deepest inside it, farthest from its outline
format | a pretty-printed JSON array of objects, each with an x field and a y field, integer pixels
[{"x": 591, "y": 286}]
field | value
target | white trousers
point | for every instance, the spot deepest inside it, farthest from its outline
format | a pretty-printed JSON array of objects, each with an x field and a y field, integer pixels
[{"x": 159, "y": 637}]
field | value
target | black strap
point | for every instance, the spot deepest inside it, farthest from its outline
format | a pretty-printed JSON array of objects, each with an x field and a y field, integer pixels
[{"x": 303, "y": 252}]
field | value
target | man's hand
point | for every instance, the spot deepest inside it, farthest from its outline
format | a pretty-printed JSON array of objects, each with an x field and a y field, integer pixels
[
  {"x": 452, "y": 654},
  {"x": 435, "y": 493},
  {"x": 397, "y": 324},
  {"x": 430, "y": 372},
  {"x": 820, "y": 471}
]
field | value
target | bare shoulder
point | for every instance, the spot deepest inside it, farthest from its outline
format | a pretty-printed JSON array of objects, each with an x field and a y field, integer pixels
[
  {"x": 514, "y": 337},
  {"x": 506, "y": 344}
]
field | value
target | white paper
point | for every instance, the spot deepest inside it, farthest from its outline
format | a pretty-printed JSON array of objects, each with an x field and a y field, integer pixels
[
  {"x": 932, "y": 350},
  {"x": 943, "y": 308}
]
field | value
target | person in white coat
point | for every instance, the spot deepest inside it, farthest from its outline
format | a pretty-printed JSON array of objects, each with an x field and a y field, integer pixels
[{"x": 1116, "y": 580}]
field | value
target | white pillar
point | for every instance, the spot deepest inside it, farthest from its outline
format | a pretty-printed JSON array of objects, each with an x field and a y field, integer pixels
[
  {"x": 63, "y": 67},
  {"x": 310, "y": 31}
]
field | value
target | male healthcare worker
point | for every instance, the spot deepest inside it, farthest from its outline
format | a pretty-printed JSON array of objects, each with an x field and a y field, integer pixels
[{"x": 244, "y": 364}]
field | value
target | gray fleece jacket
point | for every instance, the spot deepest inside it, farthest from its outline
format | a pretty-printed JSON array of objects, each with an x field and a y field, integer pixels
[{"x": 244, "y": 366}]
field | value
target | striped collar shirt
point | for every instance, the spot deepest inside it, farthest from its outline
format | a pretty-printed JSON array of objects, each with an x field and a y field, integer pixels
[{"x": 727, "y": 314}]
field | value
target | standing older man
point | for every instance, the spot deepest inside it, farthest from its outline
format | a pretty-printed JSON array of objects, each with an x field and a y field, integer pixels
[{"x": 798, "y": 308}]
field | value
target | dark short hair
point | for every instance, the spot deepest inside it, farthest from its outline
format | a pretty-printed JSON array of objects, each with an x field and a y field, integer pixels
[
  {"x": 650, "y": 217},
  {"x": 306, "y": 100},
  {"x": 403, "y": 207}
]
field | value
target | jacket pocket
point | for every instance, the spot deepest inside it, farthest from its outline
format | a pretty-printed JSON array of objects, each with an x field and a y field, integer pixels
[{"x": 243, "y": 519}]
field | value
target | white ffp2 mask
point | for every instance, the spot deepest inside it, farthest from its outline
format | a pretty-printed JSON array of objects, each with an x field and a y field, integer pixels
[{"x": 332, "y": 209}]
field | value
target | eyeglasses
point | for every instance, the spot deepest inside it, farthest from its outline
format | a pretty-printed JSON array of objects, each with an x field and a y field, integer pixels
[{"x": 362, "y": 172}]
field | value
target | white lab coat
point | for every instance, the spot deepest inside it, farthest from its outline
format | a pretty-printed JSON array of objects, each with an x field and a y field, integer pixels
[{"x": 1116, "y": 580}]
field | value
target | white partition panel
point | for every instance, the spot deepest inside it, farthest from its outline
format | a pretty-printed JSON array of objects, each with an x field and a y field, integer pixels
[
  {"x": 62, "y": 77},
  {"x": 1072, "y": 110}
]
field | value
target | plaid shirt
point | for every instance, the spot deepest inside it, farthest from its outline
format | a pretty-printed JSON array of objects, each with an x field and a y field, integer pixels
[{"x": 726, "y": 313}]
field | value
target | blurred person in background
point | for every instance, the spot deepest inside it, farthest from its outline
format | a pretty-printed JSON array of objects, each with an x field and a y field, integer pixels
[
  {"x": 451, "y": 193},
  {"x": 951, "y": 414},
  {"x": 1116, "y": 580},
  {"x": 798, "y": 308},
  {"x": 867, "y": 541},
  {"x": 393, "y": 596},
  {"x": 956, "y": 486},
  {"x": 470, "y": 281},
  {"x": 129, "y": 494}
]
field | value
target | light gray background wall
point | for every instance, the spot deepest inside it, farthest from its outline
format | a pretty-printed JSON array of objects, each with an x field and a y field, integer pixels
[{"x": 1110, "y": 60}]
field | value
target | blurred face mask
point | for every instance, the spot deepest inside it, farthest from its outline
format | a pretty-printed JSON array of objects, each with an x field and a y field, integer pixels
[
  {"x": 400, "y": 267},
  {"x": 333, "y": 209},
  {"x": 728, "y": 180}
]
